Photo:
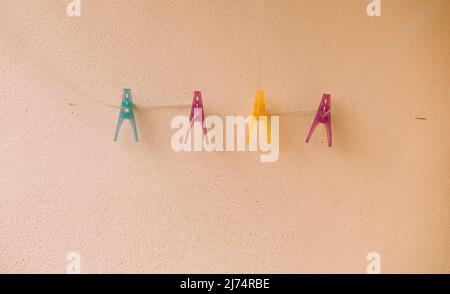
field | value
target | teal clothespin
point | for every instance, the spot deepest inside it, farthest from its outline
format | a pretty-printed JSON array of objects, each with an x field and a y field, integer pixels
[{"x": 126, "y": 112}]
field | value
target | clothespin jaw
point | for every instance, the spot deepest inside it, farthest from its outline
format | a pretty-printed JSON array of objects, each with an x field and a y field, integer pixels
[
  {"x": 259, "y": 109},
  {"x": 197, "y": 115},
  {"x": 259, "y": 106},
  {"x": 126, "y": 113},
  {"x": 323, "y": 115},
  {"x": 197, "y": 103}
]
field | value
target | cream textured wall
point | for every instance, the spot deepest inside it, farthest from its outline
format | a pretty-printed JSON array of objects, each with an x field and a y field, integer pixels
[{"x": 125, "y": 207}]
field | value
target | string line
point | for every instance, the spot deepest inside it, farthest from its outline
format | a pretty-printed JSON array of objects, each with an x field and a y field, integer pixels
[{"x": 21, "y": 47}]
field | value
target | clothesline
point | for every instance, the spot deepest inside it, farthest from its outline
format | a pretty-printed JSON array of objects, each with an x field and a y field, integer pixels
[
  {"x": 145, "y": 108},
  {"x": 21, "y": 47}
]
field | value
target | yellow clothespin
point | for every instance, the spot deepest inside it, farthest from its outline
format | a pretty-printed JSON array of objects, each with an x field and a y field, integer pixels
[{"x": 259, "y": 109}]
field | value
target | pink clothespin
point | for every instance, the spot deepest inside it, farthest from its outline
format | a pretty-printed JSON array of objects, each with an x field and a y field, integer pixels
[
  {"x": 197, "y": 115},
  {"x": 323, "y": 116}
]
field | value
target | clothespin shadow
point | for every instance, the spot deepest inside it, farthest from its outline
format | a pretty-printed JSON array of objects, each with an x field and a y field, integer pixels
[
  {"x": 126, "y": 113},
  {"x": 197, "y": 115},
  {"x": 259, "y": 110},
  {"x": 323, "y": 116}
]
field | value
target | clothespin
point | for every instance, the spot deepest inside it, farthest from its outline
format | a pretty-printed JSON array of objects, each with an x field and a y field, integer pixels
[
  {"x": 126, "y": 112},
  {"x": 259, "y": 109},
  {"x": 323, "y": 116},
  {"x": 197, "y": 115}
]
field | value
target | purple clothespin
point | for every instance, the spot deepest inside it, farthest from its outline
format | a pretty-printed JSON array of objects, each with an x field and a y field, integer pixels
[
  {"x": 323, "y": 116},
  {"x": 197, "y": 115}
]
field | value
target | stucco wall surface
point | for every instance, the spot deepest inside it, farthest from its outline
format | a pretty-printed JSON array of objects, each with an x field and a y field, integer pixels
[{"x": 133, "y": 208}]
